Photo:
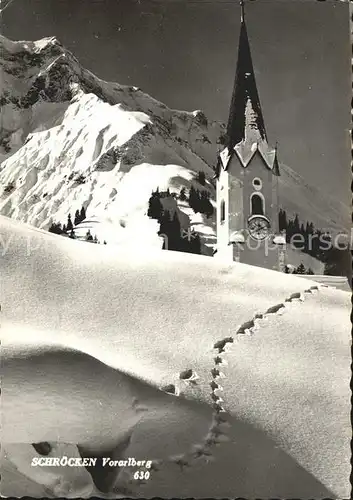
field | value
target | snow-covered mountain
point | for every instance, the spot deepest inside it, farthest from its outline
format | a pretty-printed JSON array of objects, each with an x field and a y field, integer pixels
[{"x": 69, "y": 139}]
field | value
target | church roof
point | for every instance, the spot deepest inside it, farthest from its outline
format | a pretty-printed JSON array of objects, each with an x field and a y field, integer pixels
[
  {"x": 245, "y": 152},
  {"x": 275, "y": 168},
  {"x": 246, "y": 132},
  {"x": 245, "y": 121}
]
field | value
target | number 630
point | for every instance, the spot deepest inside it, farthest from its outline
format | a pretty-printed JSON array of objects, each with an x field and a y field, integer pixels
[{"x": 140, "y": 474}]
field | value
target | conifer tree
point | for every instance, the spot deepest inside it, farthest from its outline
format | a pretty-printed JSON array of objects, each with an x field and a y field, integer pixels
[
  {"x": 193, "y": 199},
  {"x": 296, "y": 227},
  {"x": 315, "y": 252},
  {"x": 69, "y": 223},
  {"x": 289, "y": 230},
  {"x": 206, "y": 206},
  {"x": 285, "y": 220},
  {"x": 155, "y": 207},
  {"x": 309, "y": 228},
  {"x": 282, "y": 220},
  {"x": 201, "y": 178},
  {"x": 55, "y": 228},
  {"x": 77, "y": 218},
  {"x": 182, "y": 194},
  {"x": 300, "y": 269},
  {"x": 200, "y": 201},
  {"x": 296, "y": 230},
  {"x": 89, "y": 237},
  {"x": 82, "y": 214}
]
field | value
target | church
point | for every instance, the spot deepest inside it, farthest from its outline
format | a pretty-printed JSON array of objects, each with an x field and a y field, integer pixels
[{"x": 247, "y": 175}]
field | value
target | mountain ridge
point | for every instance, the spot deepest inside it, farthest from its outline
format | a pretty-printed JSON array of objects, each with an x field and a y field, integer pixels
[{"x": 61, "y": 125}]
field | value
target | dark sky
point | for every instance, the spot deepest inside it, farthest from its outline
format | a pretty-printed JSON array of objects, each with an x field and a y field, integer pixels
[{"x": 184, "y": 52}]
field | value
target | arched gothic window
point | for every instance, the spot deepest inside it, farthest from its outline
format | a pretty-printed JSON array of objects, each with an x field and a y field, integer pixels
[
  {"x": 257, "y": 204},
  {"x": 223, "y": 211}
]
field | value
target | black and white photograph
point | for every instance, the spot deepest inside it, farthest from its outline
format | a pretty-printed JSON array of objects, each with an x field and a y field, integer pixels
[{"x": 175, "y": 248}]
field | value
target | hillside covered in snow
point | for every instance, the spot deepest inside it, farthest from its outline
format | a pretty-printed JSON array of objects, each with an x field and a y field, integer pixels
[
  {"x": 70, "y": 140},
  {"x": 234, "y": 380}
]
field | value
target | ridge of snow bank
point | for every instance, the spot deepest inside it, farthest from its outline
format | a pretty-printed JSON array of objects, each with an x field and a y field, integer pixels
[{"x": 161, "y": 315}]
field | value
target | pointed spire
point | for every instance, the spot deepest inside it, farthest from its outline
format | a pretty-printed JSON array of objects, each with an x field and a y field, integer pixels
[
  {"x": 245, "y": 122},
  {"x": 275, "y": 168}
]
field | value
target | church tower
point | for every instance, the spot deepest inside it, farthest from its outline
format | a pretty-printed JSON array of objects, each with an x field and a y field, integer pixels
[{"x": 247, "y": 176}]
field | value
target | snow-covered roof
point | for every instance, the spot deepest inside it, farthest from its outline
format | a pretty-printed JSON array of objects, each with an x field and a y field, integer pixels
[
  {"x": 245, "y": 151},
  {"x": 246, "y": 133},
  {"x": 225, "y": 156},
  {"x": 237, "y": 237},
  {"x": 279, "y": 240}
]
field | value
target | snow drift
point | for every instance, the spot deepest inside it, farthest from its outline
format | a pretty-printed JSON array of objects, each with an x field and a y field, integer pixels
[{"x": 92, "y": 340}]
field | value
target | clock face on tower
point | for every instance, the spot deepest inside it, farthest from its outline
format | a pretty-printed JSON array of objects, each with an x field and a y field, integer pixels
[{"x": 259, "y": 227}]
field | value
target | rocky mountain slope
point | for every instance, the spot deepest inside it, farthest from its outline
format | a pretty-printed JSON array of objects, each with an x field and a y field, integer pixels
[{"x": 69, "y": 139}]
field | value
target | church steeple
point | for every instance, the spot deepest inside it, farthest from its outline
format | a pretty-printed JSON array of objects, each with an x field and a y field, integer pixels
[
  {"x": 245, "y": 121},
  {"x": 247, "y": 175},
  {"x": 275, "y": 168}
]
